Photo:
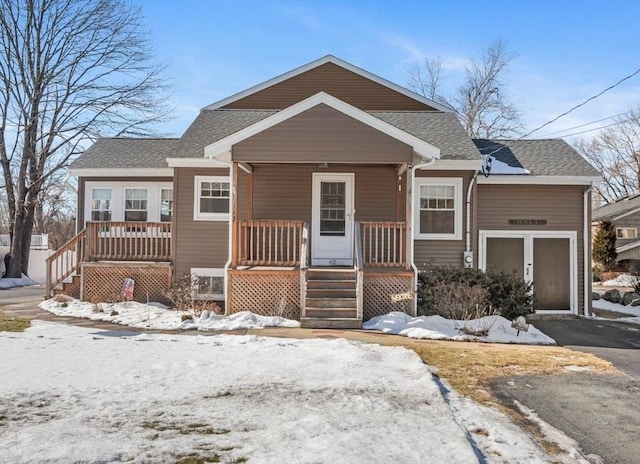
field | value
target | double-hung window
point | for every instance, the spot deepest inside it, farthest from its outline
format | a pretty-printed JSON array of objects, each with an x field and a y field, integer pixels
[
  {"x": 166, "y": 204},
  {"x": 135, "y": 204},
  {"x": 101, "y": 204},
  {"x": 211, "y": 200},
  {"x": 438, "y": 208}
]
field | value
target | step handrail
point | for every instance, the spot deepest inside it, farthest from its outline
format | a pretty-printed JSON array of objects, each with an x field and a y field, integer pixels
[
  {"x": 358, "y": 265},
  {"x": 65, "y": 261}
]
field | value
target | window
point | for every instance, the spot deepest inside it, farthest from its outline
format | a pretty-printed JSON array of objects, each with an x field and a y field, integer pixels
[
  {"x": 211, "y": 198},
  {"x": 208, "y": 283},
  {"x": 438, "y": 208},
  {"x": 101, "y": 204},
  {"x": 135, "y": 204},
  {"x": 626, "y": 232},
  {"x": 166, "y": 205}
]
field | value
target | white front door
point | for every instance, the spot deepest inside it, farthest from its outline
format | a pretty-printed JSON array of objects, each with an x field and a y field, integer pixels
[{"x": 332, "y": 220}]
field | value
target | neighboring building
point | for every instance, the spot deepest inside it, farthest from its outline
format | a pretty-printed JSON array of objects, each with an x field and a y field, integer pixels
[
  {"x": 625, "y": 215},
  {"x": 320, "y": 194}
]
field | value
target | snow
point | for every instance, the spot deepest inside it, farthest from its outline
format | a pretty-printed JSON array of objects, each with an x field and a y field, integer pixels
[
  {"x": 623, "y": 280},
  {"x": 157, "y": 316},
  {"x": 13, "y": 282},
  {"x": 75, "y": 394},
  {"x": 633, "y": 311},
  {"x": 500, "y": 167},
  {"x": 439, "y": 328}
]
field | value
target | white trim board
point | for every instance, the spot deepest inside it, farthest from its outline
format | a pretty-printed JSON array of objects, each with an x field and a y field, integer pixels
[
  {"x": 317, "y": 63},
  {"x": 222, "y": 148},
  {"x": 122, "y": 172},
  {"x": 528, "y": 236},
  {"x": 537, "y": 180},
  {"x": 628, "y": 246}
]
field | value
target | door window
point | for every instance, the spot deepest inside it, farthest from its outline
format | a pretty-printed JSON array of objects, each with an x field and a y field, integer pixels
[{"x": 332, "y": 209}]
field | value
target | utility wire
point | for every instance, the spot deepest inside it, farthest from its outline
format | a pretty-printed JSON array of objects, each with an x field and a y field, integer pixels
[
  {"x": 637, "y": 71},
  {"x": 585, "y": 124}
]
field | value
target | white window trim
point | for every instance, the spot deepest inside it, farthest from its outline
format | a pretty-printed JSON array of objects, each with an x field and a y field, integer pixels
[
  {"x": 199, "y": 216},
  {"x": 124, "y": 203},
  {"x": 160, "y": 190},
  {"x": 456, "y": 183},
  {"x": 209, "y": 272},
  {"x": 635, "y": 233}
]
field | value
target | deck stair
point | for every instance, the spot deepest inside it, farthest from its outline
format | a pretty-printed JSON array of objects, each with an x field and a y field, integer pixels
[{"x": 331, "y": 299}]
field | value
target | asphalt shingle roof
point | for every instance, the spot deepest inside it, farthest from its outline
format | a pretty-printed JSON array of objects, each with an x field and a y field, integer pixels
[
  {"x": 616, "y": 208},
  {"x": 546, "y": 157},
  {"x": 127, "y": 153}
]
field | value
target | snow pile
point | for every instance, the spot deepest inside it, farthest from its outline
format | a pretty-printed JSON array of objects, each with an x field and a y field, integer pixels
[
  {"x": 623, "y": 280},
  {"x": 157, "y": 316},
  {"x": 24, "y": 281},
  {"x": 439, "y": 328},
  {"x": 73, "y": 394},
  {"x": 632, "y": 311},
  {"x": 500, "y": 167}
]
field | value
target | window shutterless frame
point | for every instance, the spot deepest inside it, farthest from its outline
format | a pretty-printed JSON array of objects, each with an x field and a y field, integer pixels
[
  {"x": 212, "y": 198},
  {"x": 440, "y": 189}
]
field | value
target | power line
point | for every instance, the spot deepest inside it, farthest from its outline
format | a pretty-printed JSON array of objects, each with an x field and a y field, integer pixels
[
  {"x": 596, "y": 128},
  {"x": 637, "y": 71},
  {"x": 585, "y": 124}
]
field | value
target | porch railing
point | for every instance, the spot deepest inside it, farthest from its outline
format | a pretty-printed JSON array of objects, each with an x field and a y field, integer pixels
[
  {"x": 359, "y": 267},
  {"x": 384, "y": 243},
  {"x": 134, "y": 241},
  {"x": 65, "y": 261},
  {"x": 268, "y": 243}
]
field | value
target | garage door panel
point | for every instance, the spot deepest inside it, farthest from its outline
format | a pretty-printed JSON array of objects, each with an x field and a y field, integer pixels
[
  {"x": 505, "y": 255},
  {"x": 552, "y": 273}
]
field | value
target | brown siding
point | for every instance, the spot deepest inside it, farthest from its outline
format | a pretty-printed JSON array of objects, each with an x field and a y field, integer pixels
[
  {"x": 322, "y": 134},
  {"x": 196, "y": 243},
  {"x": 429, "y": 253},
  {"x": 284, "y": 191},
  {"x": 335, "y": 80},
  {"x": 82, "y": 188},
  {"x": 560, "y": 205}
]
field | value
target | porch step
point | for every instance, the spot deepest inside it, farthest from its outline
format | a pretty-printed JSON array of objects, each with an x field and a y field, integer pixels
[
  {"x": 331, "y": 303},
  {"x": 330, "y": 323},
  {"x": 331, "y": 274},
  {"x": 319, "y": 293},
  {"x": 333, "y": 313},
  {"x": 330, "y": 284}
]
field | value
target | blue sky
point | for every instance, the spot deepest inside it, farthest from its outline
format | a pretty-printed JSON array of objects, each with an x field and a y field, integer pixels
[{"x": 567, "y": 50}]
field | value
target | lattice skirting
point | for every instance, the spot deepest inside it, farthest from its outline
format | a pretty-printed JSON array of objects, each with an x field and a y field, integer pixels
[
  {"x": 103, "y": 281},
  {"x": 386, "y": 292},
  {"x": 267, "y": 293}
]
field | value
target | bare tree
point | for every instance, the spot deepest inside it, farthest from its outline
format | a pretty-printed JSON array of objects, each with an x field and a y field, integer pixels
[
  {"x": 70, "y": 71},
  {"x": 483, "y": 104},
  {"x": 615, "y": 152}
]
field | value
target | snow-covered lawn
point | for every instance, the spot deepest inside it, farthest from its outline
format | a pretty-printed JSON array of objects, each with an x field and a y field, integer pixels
[
  {"x": 73, "y": 394},
  {"x": 439, "y": 328},
  {"x": 623, "y": 280},
  {"x": 632, "y": 311},
  {"x": 24, "y": 281},
  {"x": 158, "y": 317}
]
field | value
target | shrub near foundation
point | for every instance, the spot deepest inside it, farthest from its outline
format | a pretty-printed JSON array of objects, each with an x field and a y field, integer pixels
[{"x": 505, "y": 293}]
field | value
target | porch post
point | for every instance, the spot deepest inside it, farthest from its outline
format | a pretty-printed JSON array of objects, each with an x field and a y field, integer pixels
[
  {"x": 409, "y": 229},
  {"x": 234, "y": 215}
]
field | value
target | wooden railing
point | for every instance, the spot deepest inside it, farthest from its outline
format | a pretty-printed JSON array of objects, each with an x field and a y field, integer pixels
[
  {"x": 65, "y": 261},
  {"x": 131, "y": 241},
  {"x": 384, "y": 243},
  {"x": 267, "y": 243},
  {"x": 359, "y": 267}
]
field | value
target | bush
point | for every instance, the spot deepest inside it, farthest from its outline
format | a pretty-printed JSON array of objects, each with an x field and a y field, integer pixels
[
  {"x": 183, "y": 297},
  {"x": 440, "y": 287}
]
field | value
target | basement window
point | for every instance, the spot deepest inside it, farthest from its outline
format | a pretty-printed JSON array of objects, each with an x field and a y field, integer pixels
[{"x": 208, "y": 283}]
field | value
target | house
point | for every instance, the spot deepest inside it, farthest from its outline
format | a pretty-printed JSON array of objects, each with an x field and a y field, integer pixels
[
  {"x": 625, "y": 215},
  {"x": 319, "y": 195}
]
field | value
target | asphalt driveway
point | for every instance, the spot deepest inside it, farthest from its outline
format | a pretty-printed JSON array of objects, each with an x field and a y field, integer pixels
[{"x": 598, "y": 411}]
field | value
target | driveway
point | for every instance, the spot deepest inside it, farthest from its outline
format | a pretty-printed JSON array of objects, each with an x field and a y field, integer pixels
[
  {"x": 617, "y": 342},
  {"x": 595, "y": 410}
]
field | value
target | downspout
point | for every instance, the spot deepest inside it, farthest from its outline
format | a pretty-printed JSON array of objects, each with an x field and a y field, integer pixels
[
  {"x": 586, "y": 243},
  {"x": 413, "y": 242},
  {"x": 467, "y": 248}
]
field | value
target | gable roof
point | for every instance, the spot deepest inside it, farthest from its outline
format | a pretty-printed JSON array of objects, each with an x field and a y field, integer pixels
[
  {"x": 544, "y": 157},
  {"x": 618, "y": 208},
  {"x": 127, "y": 153},
  {"x": 420, "y": 146},
  {"x": 316, "y": 64}
]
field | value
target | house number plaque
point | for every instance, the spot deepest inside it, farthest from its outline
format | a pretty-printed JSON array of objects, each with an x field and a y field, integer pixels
[{"x": 527, "y": 222}]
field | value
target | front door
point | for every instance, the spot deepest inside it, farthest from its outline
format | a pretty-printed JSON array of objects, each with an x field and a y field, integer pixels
[
  {"x": 546, "y": 259},
  {"x": 332, "y": 220}
]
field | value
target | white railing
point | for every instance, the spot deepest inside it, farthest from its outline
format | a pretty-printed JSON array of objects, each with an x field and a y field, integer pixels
[{"x": 38, "y": 242}]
